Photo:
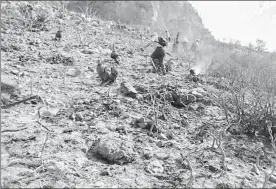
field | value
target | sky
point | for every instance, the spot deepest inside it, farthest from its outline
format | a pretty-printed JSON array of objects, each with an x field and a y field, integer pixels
[{"x": 245, "y": 21}]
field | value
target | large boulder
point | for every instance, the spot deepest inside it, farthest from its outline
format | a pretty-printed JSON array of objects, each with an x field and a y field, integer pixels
[
  {"x": 9, "y": 89},
  {"x": 8, "y": 85},
  {"x": 114, "y": 149}
]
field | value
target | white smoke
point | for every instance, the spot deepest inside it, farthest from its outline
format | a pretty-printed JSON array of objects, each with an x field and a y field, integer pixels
[
  {"x": 204, "y": 60},
  {"x": 155, "y": 6},
  {"x": 158, "y": 23}
]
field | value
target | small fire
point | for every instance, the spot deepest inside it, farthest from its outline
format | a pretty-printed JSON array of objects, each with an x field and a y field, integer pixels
[
  {"x": 201, "y": 67},
  {"x": 195, "y": 70}
]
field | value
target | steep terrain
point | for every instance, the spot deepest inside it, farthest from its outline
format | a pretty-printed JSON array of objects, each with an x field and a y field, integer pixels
[
  {"x": 174, "y": 16},
  {"x": 75, "y": 133}
]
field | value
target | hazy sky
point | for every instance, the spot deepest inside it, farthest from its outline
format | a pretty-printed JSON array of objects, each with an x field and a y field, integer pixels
[{"x": 241, "y": 20}]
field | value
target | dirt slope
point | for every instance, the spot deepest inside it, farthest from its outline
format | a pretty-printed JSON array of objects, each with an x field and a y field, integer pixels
[{"x": 79, "y": 119}]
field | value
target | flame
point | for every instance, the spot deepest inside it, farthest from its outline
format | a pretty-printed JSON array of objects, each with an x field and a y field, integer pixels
[
  {"x": 205, "y": 60},
  {"x": 197, "y": 69},
  {"x": 202, "y": 65}
]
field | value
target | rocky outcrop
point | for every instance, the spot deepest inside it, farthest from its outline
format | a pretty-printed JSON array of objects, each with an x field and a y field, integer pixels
[{"x": 159, "y": 15}]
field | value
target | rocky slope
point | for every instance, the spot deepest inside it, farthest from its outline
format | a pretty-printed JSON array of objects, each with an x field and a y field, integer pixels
[
  {"x": 175, "y": 16},
  {"x": 75, "y": 133}
]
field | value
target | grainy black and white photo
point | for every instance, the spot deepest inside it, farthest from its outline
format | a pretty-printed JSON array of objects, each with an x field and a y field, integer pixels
[{"x": 138, "y": 94}]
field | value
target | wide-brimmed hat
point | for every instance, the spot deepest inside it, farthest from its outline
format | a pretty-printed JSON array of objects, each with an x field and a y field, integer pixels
[{"x": 185, "y": 40}]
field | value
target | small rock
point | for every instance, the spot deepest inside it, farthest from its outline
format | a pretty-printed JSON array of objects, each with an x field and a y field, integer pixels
[
  {"x": 148, "y": 153},
  {"x": 15, "y": 72},
  {"x": 184, "y": 99},
  {"x": 162, "y": 155},
  {"x": 15, "y": 47},
  {"x": 168, "y": 97},
  {"x": 5, "y": 98},
  {"x": 151, "y": 140},
  {"x": 73, "y": 72},
  {"x": 162, "y": 136},
  {"x": 148, "y": 156},
  {"x": 145, "y": 124},
  {"x": 160, "y": 144},
  {"x": 170, "y": 143},
  {"x": 185, "y": 116},
  {"x": 121, "y": 127},
  {"x": 248, "y": 178},
  {"x": 141, "y": 120},
  {"x": 150, "y": 124},
  {"x": 87, "y": 51},
  {"x": 84, "y": 148},
  {"x": 117, "y": 101},
  {"x": 130, "y": 52},
  {"x": 169, "y": 135},
  {"x": 255, "y": 169},
  {"x": 96, "y": 51},
  {"x": 139, "y": 96},
  {"x": 206, "y": 101},
  {"x": 200, "y": 90},
  {"x": 106, "y": 172},
  {"x": 111, "y": 128},
  {"x": 50, "y": 112},
  {"x": 128, "y": 89},
  {"x": 141, "y": 88},
  {"x": 91, "y": 69},
  {"x": 102, "y": 130},
  {"x": 78, "y": 117},
  {"x": 105, "y": 52},
  {"x": 212, "y": 168},
  {"x": 91, "y": 123},
  {"x": 189, "y": 99},
  {"x": 141, "y": 125},
  {"x": 177, "y": 126},
  {"x": 272, "y": 179},
  {"x": 95, "y": 24},
  {"x": 155, "y": 167},
  {"x": 193, "y": 107},
  {"x": 184, "y": 122},
  {"x": 60, "y": 184},
  {"x": 129, "y": 99},
  {"x": 196, "y": 94}
]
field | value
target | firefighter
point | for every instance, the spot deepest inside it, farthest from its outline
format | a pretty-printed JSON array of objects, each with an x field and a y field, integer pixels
[
  {"x": 159, "y": 53},
  {"x": 195, "y": 51}
]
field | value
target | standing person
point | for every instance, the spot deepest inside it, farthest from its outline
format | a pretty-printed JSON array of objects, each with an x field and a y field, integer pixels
[
  {"x": 184, "y": 43},
  {"x": 175, "y": 44},
  {"x": 159, "y": 53},
  {"x": 168, "y": 36},
  {"x": 195, "y": 51}
]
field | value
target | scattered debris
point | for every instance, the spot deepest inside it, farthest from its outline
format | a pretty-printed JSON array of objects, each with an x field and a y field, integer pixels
[
  {"x": 143, "y": 124},
  {"x": 60, "y": 59},
  {"x": 89, "y": 136}
]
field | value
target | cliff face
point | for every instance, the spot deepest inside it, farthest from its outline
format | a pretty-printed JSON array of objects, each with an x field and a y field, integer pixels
[{"x": 159, "y": 15}]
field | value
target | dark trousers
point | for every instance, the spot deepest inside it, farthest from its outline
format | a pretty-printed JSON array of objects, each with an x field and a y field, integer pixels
[{"x": 157, "y": 57}]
